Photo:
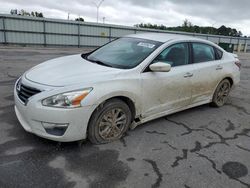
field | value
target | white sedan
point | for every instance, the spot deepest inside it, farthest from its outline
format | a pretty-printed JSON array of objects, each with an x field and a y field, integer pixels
[{"x": 122, "y": 84}]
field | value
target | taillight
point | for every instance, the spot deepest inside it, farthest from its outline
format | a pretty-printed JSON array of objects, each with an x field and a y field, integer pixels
[{"x": 238, "y": 64}]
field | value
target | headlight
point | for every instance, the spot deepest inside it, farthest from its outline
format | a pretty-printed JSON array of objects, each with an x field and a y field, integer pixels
[{"x": 67, "y": 100}]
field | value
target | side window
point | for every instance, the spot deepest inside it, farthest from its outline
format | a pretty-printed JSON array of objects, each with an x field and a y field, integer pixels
[
  {"x": 175, "y": 55},
  {"x": 219, "y": 53},
  {"x": 203, "y": 53}
]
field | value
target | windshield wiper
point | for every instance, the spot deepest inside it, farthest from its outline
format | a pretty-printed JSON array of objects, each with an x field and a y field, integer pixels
[{"x": 100, "y": 63}]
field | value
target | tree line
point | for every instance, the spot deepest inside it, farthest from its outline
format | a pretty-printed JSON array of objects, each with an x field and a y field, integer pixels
[
  {"x": 35, "y": 14},
  {"x": 187, "y": 26},
  {"x": 26, "y": 13}
]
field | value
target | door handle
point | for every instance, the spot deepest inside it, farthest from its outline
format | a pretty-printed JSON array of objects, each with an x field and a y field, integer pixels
[
  {"x": 188, "y": 74},
  {"x": 219, "y": 67}
]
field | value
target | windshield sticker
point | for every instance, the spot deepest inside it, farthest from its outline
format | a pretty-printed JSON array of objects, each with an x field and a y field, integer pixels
[{"x": 146, "y": 45}]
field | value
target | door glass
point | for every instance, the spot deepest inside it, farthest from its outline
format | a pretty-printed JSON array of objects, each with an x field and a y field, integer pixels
[
  {"x": 203, "y": 53},
  {"x": 175, "y": 55}
]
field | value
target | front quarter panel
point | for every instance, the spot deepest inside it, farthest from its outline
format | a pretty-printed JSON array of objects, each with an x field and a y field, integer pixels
[{"x": 129, "y": 87}]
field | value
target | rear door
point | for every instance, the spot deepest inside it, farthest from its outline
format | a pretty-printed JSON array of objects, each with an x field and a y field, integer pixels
[
  {"x": 167, "y": 91},
  {"x": 207, "y": 73}
]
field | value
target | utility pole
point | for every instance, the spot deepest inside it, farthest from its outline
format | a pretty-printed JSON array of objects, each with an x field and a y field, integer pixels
[
  {"x": 103, "y": 20},
  {"x": 212, "y": 27},
  {"x": 97, "y": 9}
]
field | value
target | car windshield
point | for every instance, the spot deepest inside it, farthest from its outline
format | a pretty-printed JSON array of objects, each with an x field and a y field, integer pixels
[{"x": 124, "y": 53}]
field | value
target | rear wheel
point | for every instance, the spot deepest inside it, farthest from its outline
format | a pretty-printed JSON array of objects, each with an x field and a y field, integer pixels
[
  {"x": 109, "y": 122},
  {"x": 221, "y": 93}
]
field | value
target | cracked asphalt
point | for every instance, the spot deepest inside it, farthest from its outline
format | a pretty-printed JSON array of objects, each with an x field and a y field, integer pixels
[{"x": 196, "y": 148}]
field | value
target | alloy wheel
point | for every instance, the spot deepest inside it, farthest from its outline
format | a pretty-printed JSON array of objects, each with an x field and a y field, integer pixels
[
  {"x": 112, "y": 124},
  {"x": 223, "y": 93}
]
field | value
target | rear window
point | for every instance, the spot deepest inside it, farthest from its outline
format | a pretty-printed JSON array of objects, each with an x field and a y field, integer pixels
[{"x": 203, "y": 52}]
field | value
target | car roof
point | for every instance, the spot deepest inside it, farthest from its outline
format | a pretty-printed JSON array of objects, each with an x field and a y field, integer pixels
[{"x": 163, "y": 37}]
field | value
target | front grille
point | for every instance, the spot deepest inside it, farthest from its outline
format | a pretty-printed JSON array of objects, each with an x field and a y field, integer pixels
[{"x": 25, "y": 92}]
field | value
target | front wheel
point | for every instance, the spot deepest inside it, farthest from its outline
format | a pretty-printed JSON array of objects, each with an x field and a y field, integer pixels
[
  {"x": 109, "y": 122},
  {"x": 221, "y": 93}
]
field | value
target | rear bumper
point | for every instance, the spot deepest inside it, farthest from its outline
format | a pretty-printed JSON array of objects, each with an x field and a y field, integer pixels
[{"x": 36, "y": 118}]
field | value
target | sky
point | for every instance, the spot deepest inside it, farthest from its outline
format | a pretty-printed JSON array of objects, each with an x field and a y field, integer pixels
[{"x": 230, "y": 13}]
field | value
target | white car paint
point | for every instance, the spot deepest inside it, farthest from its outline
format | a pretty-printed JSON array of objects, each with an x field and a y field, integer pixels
[{"x": 154, "y": 94}]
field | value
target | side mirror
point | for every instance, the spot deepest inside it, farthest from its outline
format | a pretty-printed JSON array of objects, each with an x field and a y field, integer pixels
[{"x": 160, "y": 67}]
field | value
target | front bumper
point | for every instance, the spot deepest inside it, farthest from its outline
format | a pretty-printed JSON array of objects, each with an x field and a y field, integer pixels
[{"x": 34, "y": 116}]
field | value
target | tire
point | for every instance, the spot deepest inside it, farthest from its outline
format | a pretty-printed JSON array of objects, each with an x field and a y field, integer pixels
[
  {"x": 109, "y": 122},
  {"x": 221, "y": 93}
]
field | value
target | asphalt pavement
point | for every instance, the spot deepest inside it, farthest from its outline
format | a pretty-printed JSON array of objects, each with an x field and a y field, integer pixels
[{"x": 202, "y": 147}]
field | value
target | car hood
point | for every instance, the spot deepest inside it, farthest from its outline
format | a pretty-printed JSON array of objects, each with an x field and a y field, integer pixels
[{"x": 69, "y": 70}]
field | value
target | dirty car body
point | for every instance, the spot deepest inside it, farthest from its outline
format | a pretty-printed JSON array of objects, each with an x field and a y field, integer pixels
[{"x": 149, "y": 75}]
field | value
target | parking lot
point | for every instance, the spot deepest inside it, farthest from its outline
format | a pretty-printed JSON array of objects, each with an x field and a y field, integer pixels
[{"x": 199, "y": 147}]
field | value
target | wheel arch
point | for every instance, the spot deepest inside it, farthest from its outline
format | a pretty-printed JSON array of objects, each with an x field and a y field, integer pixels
[
  {"x": 126, "y": 99},
  {"x": 91, "y": 132},
  {"x": 229, "y": 78},
  {"x": 129, "y": 102}
]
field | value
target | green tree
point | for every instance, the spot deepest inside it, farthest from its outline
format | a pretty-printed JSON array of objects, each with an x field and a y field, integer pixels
[
  {"x": 80, "y": 19},
  {"x": 187, "y": 26},
  {"x": 26, "y": 13}
]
